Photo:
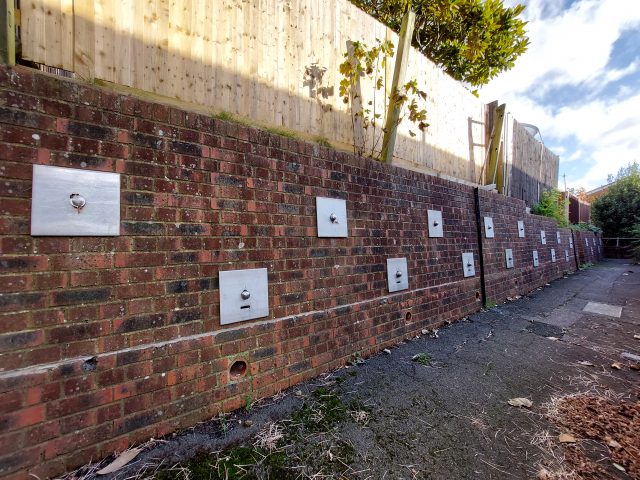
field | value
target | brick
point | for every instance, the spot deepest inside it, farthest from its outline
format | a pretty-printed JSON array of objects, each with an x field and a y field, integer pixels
[
  {"x": 29, "y": 263},
  {"x": 72, "y": 297},
  {"x": 22, "y": 418}
]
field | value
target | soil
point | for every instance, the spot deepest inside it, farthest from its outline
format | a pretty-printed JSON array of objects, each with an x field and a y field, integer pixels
[{"x": 436, "y": 407}]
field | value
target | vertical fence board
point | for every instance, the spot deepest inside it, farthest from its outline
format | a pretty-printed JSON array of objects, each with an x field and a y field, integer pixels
[{"x": 249, "y": 57}]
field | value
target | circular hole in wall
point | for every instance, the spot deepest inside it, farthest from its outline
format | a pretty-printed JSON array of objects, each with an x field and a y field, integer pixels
[
  {"x": 238, "y": 369},
  {"x": 477, "y": 295},
  {"x": 407, "y": 316}
]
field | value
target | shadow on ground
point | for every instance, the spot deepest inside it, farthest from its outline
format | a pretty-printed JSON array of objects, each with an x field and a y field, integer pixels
[{"x": 436, "y": 407}]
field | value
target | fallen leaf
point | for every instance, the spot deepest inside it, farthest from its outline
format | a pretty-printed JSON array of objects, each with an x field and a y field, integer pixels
[
  {"x": 635, "y": 366},
  {"x": 637, "y": 337},
  {"x": 543, "y": 474},
  {"x": 618, "y": 466},
  {"x": 122, "y": 459},
  {"x": 520, "y": 402},
  {"x": 553, "y": 338},
  {"x": 612, "y": 443},
  {"x": 586, "y": 364},
  {"x": 616, "y": 365},
  {"x": 387, "y": 351},
  {"x": 566, "y": 438}
]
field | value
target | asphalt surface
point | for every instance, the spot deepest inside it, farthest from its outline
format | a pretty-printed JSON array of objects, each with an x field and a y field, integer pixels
[{"x": 448, "y": 417}]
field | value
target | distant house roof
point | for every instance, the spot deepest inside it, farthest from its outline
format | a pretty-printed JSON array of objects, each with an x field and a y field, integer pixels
[{"x": 598, "y": 192}]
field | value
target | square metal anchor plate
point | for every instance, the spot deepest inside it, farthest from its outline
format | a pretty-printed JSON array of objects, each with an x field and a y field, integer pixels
[
  {"x": 488, "y": 227},
  {"x": 244, "y": 295},
  {"x": 543, "y": 237},
  {"x": 397, "y": 274},
  {"x": 74, "y": 202},
  {"x": 434, "y": 218},
  {"x": 331, "y": 217},
  {"x": 521, "y": 228},
  {"x": 536, "y": 261},
  {"x": 508, "y": 255},
  {"x": 468, "y": 265}
]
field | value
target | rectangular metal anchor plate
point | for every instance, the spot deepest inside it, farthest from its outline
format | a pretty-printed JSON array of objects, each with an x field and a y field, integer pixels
[
  {"x": 434, "y": 217},
  {"x": 570, "y": 242},
  {"x": 244, "y": 295},
  {"x": 566, "y": 255},
  {"x": 558, "y": 238},
  {"x": 331, "y": 217},
  {"x": 468, "y": 265},
  {"x": 543, "y": 237},
  {"x": 397, "y": 274},
  {"x": 74, "y": 202},
  {"x": 521, "y": 228},
  {"x": 536, "y": 261},
  {"x": 508, "y": 255},
  {"x": 488, "y": 227},
  {"x": 553, "y": 255}
]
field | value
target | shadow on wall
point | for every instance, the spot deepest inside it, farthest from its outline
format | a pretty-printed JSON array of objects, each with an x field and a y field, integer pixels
[
  {"x": 192, "y": 73},
  {"x": 534, "y": 169}
]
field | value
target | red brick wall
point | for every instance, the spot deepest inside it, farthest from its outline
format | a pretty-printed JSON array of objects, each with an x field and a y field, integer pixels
[{"x": 105, "y": 342}]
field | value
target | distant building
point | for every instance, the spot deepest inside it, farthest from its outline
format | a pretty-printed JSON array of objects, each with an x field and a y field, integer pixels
[{"x": 592, "y": 195}]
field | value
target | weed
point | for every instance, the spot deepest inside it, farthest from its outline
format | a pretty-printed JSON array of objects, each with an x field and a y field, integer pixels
[
  {"x": 224, "y": 424},
  {"x": 422, "y": 359},
  {"x": 355, "y": 360},
  {"x": 322, "y": 141},
  {"x": 584, "y": 266},
  {"x": 283, "y": 132},
  {"x": 490, "y": 304},
  {"x": 230, "y": 117},
  {"x": 248, "y": 403},
  {"x": 322, "y": 413},
  {"x": 277, "y": 451}
]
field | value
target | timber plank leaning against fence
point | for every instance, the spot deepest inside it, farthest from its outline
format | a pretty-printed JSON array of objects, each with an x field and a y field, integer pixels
[{"x": 272, "y": 61}]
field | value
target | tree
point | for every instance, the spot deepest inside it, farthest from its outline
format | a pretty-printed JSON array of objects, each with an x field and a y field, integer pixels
[
  {"x": 631, "y": 168},
  {"x": 362, "y": 61},
  {"x": 552, "y": 204},
  {"x": 580, "y": 193},
  {"x": 618, "y": 211},
  {"x": 472, "y": 40}
]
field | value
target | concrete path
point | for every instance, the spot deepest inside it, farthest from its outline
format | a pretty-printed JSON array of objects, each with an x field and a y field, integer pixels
[{"x": 436, "y": 407}]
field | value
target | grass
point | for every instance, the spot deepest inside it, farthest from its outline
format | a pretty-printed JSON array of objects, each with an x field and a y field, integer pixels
[
  {"x": 283, "y": 132},
  {"x": 584, "y": 266},
  {"x": 303, "y": 446}
]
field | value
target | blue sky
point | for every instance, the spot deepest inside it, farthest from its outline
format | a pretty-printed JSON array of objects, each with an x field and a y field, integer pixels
[{"x": 579, "y": 83}]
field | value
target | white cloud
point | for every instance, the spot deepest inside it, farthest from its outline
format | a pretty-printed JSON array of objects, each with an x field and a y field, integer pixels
[{"x": 572, "y": 48}]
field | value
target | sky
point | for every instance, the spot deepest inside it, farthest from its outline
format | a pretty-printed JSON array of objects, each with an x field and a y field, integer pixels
[{"x": 579, "y": 83}]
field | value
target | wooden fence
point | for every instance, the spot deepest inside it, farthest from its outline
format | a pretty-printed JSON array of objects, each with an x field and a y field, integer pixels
[
  {"x": 533, "y": 169},
  {"x": 272, "y": 61}
]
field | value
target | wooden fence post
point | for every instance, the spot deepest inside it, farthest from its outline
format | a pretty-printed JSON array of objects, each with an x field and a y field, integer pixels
[
  {"x": 7, "y": 33},
  {"x": 494, "y": 173},
  {"x": 393, "y": 114}
]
